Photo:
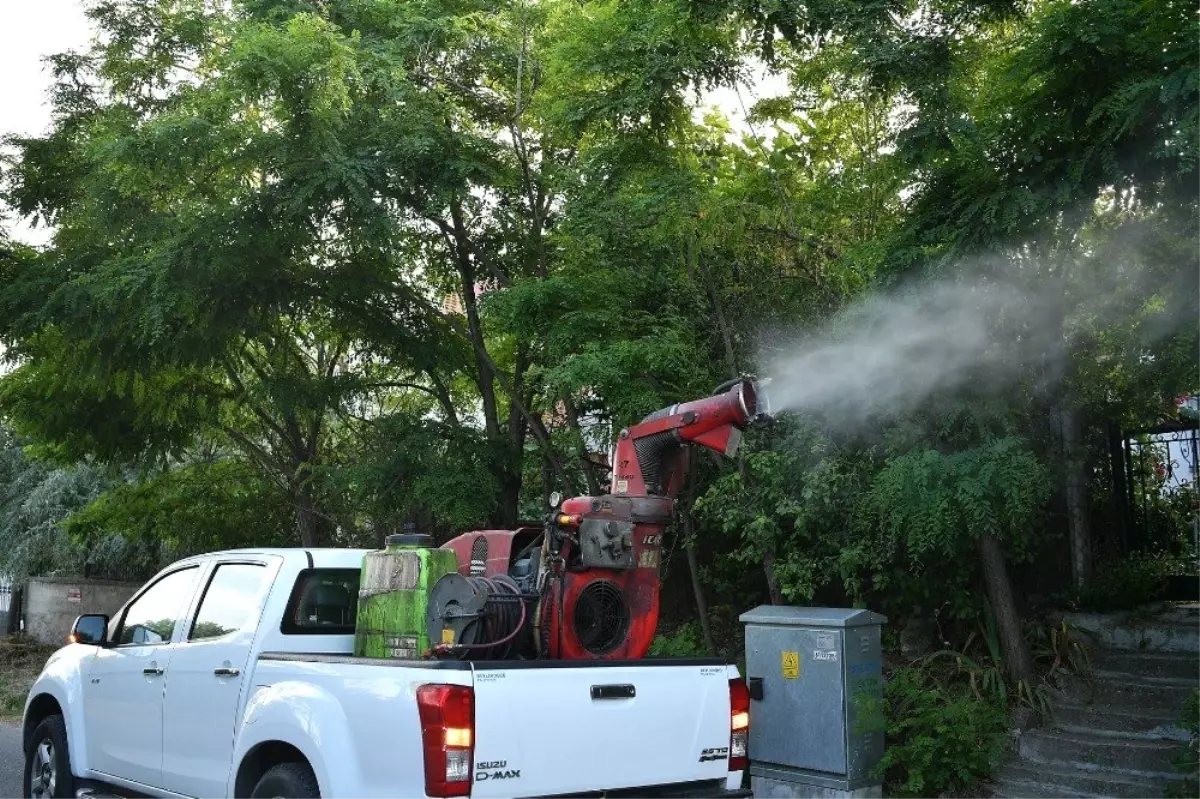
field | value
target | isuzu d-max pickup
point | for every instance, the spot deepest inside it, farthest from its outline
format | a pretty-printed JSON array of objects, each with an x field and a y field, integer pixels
[{"x": 232, "y": 674}]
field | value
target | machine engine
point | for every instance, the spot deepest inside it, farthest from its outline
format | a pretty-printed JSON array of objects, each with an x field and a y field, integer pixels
[{"x": 586, "y": 584}]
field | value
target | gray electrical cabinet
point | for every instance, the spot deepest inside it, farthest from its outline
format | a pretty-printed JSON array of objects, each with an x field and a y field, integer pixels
[{"x": 816, "y": 710}]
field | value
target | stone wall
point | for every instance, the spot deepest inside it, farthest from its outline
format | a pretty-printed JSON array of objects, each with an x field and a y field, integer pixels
[{"x": 52, "y": 603}]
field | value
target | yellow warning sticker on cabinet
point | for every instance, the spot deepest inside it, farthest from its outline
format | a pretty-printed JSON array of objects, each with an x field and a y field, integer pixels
[
  {"x": 447, "y": 635},
  {"x": 791, "y": 665}
]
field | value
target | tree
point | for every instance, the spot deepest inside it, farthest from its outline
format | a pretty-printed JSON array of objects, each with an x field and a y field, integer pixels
[
  {"x": 931, "y": 507},
  {"x": 36, "y": 498}
]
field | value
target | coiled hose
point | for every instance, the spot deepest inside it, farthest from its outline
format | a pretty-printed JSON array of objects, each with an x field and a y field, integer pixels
[{"x": 492, "y": 636}]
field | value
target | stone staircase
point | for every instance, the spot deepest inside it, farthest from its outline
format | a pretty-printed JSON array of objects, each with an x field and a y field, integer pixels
[{"x": 1115, "y": 734}]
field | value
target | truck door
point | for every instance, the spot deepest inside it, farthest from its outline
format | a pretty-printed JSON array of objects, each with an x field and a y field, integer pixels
[
  {"x": 205, "y": 684},
  {"x": 123, "y": 687}
]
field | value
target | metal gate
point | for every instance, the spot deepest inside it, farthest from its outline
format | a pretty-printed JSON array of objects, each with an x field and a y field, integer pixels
[
  {"x": 6, "y": 604},
  {"x": 1155, "y": 479},
  {"x": 1155, "y": 482}
]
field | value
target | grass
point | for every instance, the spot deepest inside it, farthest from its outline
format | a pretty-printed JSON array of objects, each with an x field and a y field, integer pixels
[{"x": 21, "y": 660}]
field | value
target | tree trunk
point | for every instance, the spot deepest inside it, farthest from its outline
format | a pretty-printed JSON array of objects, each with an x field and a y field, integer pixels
[
  {"x": 1008, "y": 621},
  {"x": 1076, "y": 485},
  {"x": 768, "y": 559},
  {"x": 483, "y": 364},
  {"x": 1070, "y": 428},
  {"x": 308, "y": 518},
  {"x": 1120, "y": 484},
  {"x": 689, "y": 546},
  {"x": 768, "y": 562},
  {"x": 589, "y": 472}
]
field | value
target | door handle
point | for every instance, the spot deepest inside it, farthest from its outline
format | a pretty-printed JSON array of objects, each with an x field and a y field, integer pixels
[
  {"x": 613, "y": 692},
  {"x": 226, "y": 671},
  {"x": 153, "y": 671}
]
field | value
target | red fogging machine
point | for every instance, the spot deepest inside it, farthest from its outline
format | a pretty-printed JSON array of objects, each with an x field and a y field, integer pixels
[{"x": 586, "y": 585}]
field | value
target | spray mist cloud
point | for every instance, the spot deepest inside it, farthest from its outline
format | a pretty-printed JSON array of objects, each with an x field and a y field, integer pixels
[{"x": 888, "y": 354}]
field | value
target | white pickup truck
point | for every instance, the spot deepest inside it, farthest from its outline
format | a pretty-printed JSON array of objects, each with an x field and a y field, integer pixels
[{"x": 231, "y": 674}]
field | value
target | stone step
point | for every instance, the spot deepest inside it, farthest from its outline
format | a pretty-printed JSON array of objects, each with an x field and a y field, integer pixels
[
  {"x": 1021, "y": 779},
  {"x": 1173, "y": 665},
  {"x": 1132, "y": 691},
  {"x": 1136, "y": 758},
  {"x": 1020, "y": 789},
  {"x": 1120, "y": 677},
  {"x": 1118, "y": 722},
  {"x": 1129, "y": 632}
]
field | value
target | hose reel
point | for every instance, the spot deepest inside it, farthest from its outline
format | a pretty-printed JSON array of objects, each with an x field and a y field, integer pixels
[{"x": 479, "y": 616}]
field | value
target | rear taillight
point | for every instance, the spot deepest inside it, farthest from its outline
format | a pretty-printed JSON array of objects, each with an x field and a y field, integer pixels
[
  {"x": 447, "y": 738},
  {"x": 739, "y": 725}
]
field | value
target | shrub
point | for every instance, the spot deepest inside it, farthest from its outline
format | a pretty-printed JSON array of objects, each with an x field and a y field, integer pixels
[
  {"x": 685, "y": 642},
  {"x": 940, "y": 738},
  {"x": 21, "y": 661},
  {"x": 1124, "y": 584},
  {"x": 1188, "y": 760}
]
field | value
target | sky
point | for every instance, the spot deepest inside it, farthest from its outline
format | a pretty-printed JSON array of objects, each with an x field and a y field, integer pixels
[{"x": 30, "y": 30}]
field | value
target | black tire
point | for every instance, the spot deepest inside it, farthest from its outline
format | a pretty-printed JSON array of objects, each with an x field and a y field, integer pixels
[
  {"x": 287, "y": 781},
  {"x": 48, "y": 755}
]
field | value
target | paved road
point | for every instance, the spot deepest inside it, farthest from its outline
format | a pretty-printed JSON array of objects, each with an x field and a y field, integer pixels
[{"x": 11, "y": 760}]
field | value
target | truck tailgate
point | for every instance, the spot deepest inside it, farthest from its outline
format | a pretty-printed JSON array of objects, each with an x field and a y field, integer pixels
[{"x": 553, "y": 728}]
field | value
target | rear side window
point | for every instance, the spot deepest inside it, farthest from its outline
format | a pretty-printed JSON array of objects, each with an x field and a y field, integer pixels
[
  {"x": 323, "y": 602},
  {"x": 231, "y": 600}
]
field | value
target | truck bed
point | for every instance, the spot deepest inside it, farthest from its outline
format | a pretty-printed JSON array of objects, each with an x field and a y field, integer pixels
[
  {"x": 487, "y": 665},
  {"x": 551, "y": 728}
]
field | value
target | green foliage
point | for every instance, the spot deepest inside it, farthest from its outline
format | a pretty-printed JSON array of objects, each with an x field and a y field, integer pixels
[
  {"x": 940, "y": 738},
  {"x": 412, "y": 464},
  {"x": 1124, "y": 584},
  {"x": 36, "y": 498},
  {"x": 1188, "y": 760},
  {"x": 685, "y": 642},
  {"x": 1058, "y": 649},
  {"x": 934, "y": 504},
  {"x": 21, "y": 662},
  {"x": 984, "y": 669},
  {"x": 926, "y": 509},
  {"x": 794, "y": 494},
  {"x": 196, "y": 507}
]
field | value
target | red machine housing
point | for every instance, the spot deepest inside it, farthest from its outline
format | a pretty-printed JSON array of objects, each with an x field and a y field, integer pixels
[
  {"x": 598, "y": 565},
  {"x": 610, "y": 614},
  {"x": 485, "y": 553},
  {"x": 649, "y": 469}
]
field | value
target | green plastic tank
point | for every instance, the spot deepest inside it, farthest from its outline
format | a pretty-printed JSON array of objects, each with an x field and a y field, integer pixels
[{"x": 394, "y": 593}]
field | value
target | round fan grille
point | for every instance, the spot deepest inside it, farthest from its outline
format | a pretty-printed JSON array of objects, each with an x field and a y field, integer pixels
[{"x": 601, "y": 617}]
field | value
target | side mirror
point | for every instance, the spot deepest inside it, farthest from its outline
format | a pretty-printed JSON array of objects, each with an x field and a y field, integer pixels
[{"x": 89, "y": 629}]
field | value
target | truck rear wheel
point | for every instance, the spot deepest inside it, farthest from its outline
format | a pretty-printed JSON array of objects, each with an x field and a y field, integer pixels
[
  {"x": 48, "y": 761},
  {"x": 287, "y": 781}
]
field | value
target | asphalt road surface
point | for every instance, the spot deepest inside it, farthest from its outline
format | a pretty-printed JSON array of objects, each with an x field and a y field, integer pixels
[{"x": 11, "y": 760}]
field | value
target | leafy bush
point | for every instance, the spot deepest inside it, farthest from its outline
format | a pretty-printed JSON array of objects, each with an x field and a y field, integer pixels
[
  {"x": 685, "y": 642},
  {"x": 940, "y": 738},
  {"x": 1188, "y": 761},
  {"x": 1124, "y": 584},
  {"x": 21, "y": 660},
  {"x": 1058, "y": 649}
]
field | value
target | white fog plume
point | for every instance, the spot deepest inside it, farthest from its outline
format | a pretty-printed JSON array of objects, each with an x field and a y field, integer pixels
[{"x": 890, "y": 353}]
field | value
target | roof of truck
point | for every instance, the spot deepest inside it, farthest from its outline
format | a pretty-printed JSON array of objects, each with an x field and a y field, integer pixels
[{"x": 319, "y": 556}]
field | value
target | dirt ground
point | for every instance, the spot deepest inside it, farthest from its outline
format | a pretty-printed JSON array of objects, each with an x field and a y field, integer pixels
[{"x": 21, "y": 660}]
